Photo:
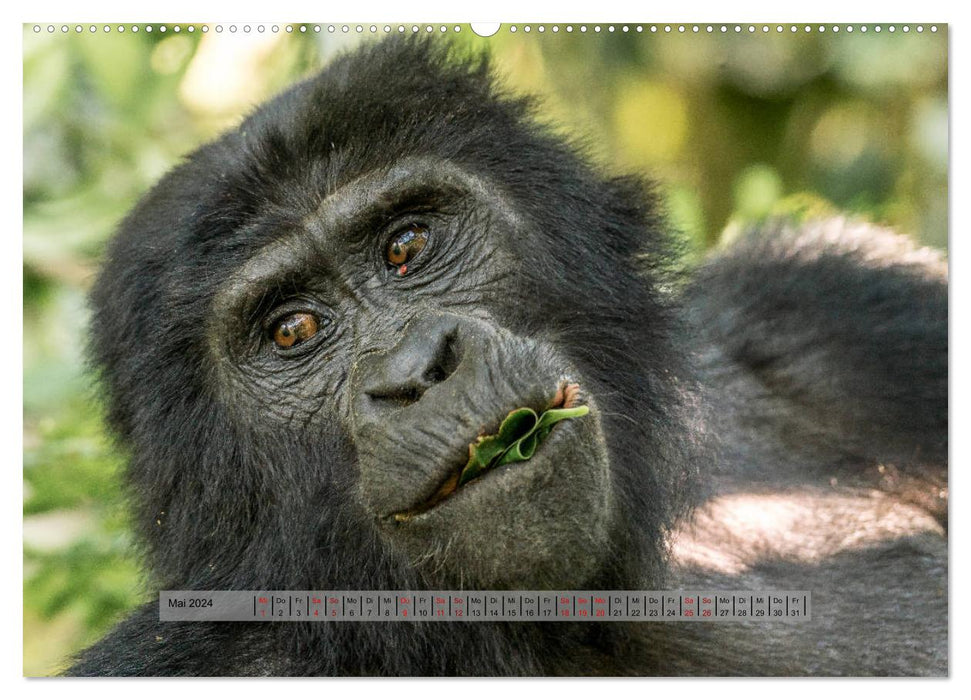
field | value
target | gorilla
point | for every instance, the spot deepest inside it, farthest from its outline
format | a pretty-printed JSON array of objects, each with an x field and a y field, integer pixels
[{"x": 302, "y": 328}]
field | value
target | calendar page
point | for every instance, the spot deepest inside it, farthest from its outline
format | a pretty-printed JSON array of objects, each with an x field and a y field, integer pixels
[{"x": 514, "y": 349}]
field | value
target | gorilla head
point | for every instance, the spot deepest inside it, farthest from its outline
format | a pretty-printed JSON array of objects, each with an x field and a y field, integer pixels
[{"x": 303, "y": 327}]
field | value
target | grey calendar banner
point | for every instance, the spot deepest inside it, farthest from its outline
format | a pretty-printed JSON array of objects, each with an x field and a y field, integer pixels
[{"x": 483, "y": 606}]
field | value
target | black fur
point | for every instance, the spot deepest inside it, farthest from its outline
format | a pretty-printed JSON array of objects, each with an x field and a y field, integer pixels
[{"x": 810, "y": 359}]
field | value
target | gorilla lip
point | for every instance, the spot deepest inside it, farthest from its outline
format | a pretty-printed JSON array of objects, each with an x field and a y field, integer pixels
[{"x": 566, "y": 397}]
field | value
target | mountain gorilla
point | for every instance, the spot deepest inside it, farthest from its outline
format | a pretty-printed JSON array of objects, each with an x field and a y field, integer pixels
[{"x": 301, "y": 329}]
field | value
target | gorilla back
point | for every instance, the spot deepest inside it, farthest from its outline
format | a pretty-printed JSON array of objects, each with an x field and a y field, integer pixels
[{"x": 303, "y": 327}]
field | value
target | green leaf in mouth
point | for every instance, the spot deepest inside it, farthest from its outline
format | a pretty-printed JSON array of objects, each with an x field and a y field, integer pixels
[{"x": 520, "y": 433}]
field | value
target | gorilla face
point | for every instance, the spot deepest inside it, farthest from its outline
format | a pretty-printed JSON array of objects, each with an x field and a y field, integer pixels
[
  {"x": 381, "y": 315},
  {"x": 304, "y": 326}
]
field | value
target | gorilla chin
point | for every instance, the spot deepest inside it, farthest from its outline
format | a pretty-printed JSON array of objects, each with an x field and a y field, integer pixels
[
  {"x": 306, "y": 330},
  {"x": 520, "y": 523}
]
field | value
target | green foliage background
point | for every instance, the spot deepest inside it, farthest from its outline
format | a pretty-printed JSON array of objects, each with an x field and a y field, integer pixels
[{"x": 738, "y": 126}]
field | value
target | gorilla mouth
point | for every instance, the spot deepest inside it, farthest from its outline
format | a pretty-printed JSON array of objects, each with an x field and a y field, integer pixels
[{"x": 566, "y": 402}]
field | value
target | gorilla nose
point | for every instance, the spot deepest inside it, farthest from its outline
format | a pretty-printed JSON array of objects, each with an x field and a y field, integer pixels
[{"x": 428, "y": 353}]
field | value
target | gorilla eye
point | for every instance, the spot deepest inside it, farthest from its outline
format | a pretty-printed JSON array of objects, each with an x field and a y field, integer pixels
[
  {"x": 294, "y": 329},
  {"x": 405, "y": 245}
]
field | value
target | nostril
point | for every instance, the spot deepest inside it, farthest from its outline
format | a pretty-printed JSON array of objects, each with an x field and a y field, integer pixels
[
  {"x": 398, "y": 397},
  {"x": 445, "y": 361}
]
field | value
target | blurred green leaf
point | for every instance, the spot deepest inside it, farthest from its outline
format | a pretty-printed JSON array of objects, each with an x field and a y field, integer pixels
[{"x": 116, "y": 67}]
